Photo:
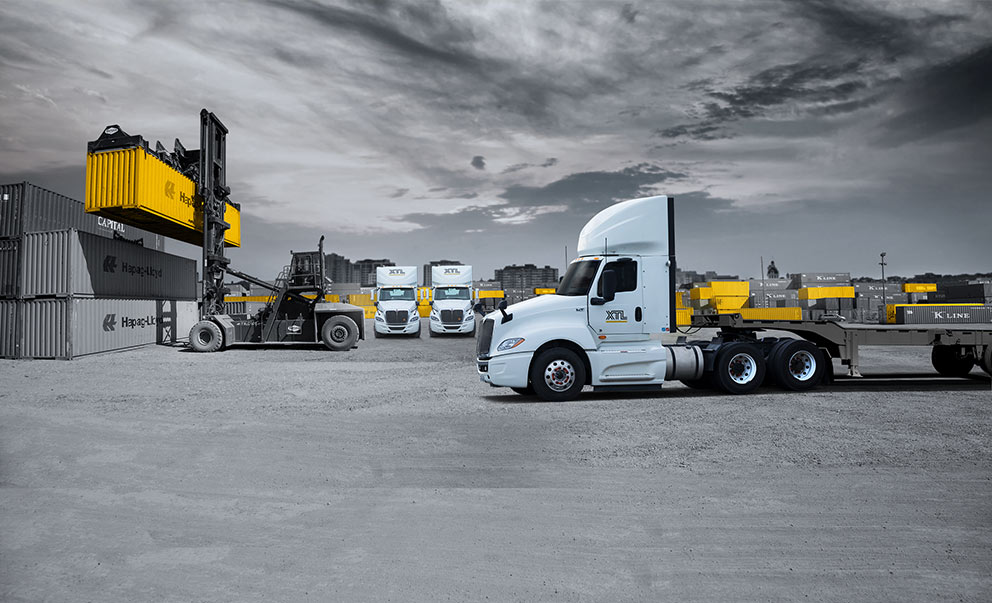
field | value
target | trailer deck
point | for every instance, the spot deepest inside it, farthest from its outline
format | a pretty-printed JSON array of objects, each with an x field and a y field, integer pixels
[{"x": 842, "y": 339}]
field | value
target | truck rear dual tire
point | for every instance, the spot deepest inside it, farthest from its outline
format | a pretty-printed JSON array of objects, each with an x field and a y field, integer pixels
[
  {"x": 796, "y": 364},
  {"x": 339, "y": 333},
  {"x": 952, "y": 360},
  {"x": 739, "y": 368},
  {"x": 986, "y": 361},
  {"x": 557, "y": 375},
  {"x": 206, "y": 336}
]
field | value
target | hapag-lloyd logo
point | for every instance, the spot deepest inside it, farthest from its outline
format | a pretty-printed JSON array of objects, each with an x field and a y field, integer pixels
[
  {"x": 110, "y": 322},
  {"x": 110, "y": 265},
  {"x": 170, "y": 192}
]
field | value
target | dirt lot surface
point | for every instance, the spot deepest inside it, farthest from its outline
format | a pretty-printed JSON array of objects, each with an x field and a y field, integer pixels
[{"x": 391, "y": 474}]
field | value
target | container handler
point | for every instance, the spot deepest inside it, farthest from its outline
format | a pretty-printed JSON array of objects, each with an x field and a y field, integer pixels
[{"x": 603, "y": 326}]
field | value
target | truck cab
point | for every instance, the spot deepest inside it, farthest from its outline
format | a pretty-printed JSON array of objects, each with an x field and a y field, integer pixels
[
  {"x": 601, "y": 327},
  {"x": 451, "y": 301},
  {"x": 396, "y": 301}
]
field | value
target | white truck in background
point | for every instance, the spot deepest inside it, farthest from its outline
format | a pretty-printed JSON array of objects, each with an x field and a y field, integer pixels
[
  {"x": 451, "y": 301},
  {"x": 396, "y": 301},
  {"x": 603, "y": 327}
]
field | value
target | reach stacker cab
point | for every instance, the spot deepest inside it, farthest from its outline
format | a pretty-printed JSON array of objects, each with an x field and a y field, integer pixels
[
  {"x": 296, "y": 313},
  {"x": 603, "y": 326}
]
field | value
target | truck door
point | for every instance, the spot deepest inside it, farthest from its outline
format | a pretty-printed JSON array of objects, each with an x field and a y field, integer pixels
[{"x": 623, "y": 315}]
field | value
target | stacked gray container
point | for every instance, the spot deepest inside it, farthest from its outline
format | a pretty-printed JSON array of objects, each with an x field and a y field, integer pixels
[{"x": 73, "y": 283}]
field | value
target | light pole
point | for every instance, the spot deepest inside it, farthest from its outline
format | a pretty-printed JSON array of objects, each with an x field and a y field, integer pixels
[{"x": 884, "y": 307}]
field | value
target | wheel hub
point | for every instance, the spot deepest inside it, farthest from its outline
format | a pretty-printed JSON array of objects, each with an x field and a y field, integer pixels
[
  {"x": 742, "y": 368},
  {"x": 802, "y": 365},
  {"x": 339, "y": 334},
  {"x": 559, "y": 375}
]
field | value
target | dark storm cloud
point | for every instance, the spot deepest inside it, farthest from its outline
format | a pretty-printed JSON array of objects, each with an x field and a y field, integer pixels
[
  {"x": 945, "y": 97},
  {"x": 516, "y": 167},
  {"x": 479, "y": 162}
]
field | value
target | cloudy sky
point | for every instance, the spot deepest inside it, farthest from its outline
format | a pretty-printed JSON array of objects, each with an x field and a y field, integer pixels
[{"x": 817, "y": 133}]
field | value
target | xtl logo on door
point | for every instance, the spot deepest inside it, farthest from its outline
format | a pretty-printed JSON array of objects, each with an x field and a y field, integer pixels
[{"x": 615, "y": 316}]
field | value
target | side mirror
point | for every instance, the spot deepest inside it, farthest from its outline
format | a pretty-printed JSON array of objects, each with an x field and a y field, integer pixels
[
  {"x": 477, "y": 308},
  {"x": 608, "y": 284},
  {"x": 502, "y": 305}
]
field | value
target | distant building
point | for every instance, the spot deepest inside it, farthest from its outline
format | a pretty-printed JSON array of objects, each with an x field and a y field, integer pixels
[
  {"x": 686, "y": 278},
  {"x": 342, "y": 270},
  {"x": 427, "y": 269},
  {"x": 365, "y": 271},
  {"x": 527, "y": 276}
]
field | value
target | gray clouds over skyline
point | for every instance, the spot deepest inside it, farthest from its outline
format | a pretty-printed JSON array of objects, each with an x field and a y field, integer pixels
[{"x": 816, "y": 133}]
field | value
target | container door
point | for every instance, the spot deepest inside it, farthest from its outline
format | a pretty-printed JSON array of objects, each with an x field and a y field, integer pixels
[{"x": 623, "y": 315}]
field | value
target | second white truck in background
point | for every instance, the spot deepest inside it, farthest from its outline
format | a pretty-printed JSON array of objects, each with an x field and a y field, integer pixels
[
  {"x": 451, "y": 305},
  {"x": 396, "y": 301}
]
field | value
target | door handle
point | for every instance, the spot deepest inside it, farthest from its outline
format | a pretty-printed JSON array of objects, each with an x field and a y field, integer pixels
[{"x": 637, "y": 314}]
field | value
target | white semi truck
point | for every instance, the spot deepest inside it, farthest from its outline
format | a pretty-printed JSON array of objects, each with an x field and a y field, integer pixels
[
  {"x": 616, "y": 299},
  {"x": 451, "y": 301},
  {"x": 396, "y": 301}
]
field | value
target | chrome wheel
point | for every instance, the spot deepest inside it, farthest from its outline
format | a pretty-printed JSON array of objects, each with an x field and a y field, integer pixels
[
  {"x": 802, "y": 365},
  {"x": 742, "y": 368},
  {"x": 559, "y": 375}
]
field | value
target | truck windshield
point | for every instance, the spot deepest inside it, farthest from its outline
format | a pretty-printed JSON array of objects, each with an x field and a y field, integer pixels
[
  {"x": 578, "y": 278},
  {"x": 451, "y": 293},
  {"x": 396, "y": 295}
]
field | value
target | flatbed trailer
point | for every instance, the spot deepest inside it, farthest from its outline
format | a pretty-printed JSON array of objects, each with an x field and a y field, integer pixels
[{"x": 843, "y": 339}]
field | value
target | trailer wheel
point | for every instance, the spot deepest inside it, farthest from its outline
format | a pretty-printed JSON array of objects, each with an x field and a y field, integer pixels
[
  {"x": 557, "y": 375},
  {"x": 796, "y": 364},
  {"x": 205, "y": 336},
  {"x": 986, "y": 361},
  {"x": 739, "y": 368},
  {"x": 951, "y": 360},
  {"x": 339, "y": 333}
]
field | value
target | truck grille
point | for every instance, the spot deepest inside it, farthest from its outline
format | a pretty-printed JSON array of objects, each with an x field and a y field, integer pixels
[
  {"x": 452, "y": 316},
  {"x": 485, "y": 338},
  {"x": 397, "y": 317}
]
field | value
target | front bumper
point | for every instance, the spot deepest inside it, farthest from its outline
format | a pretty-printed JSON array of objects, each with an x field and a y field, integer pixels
[
  {"x": 460, "y": 328},
  {"x": 507, "y": 370},
  {"x": 408, "y": 329}
]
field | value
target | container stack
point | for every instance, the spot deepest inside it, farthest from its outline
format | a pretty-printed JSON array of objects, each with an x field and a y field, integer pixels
[
  {"x": 73, "y": 284},
  {"x": 869, "y": 300},
  {"x": 965, "y": 303}
]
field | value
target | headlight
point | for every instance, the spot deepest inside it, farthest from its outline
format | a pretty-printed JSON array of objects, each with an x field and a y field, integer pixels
[
  {"x": 378, "y": 316},
  {"x": 469, "y": 316},
  {"x": 434, "y": 316},
  {"x": 509, "y": 344},
  {"x": 414, "y": 316}
]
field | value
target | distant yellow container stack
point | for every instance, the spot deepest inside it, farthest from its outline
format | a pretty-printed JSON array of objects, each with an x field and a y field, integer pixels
[
  {"x": 919, "y": 287},
  {"x": 826, "y": 292}
]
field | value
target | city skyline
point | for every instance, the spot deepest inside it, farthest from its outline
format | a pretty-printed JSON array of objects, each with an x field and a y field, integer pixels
[{"x": 817, "y": 134}]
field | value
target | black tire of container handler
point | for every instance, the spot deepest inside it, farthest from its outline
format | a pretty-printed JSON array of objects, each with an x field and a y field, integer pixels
[
  {"x": 562, "y": 366},
  {"x": 797, "y": 365},
  {"x": 950, "y": 362},
  {"x": 339, "y": 333},
  {"x": 206, "y": 336},
  {"x": 524, "y": 391},
  {"x": 986, "y": 361},
  {"x": 739, "y": 368}
]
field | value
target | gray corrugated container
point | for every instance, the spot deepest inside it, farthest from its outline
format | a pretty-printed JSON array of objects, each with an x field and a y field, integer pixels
[
  {"x": 26, "y": 208},
  {"x": 9, "y": 267},
  {"x": 968, "y": 292},
  {"x": 875, "y": 288},
  {"x": 908, "y": 315},
  {"x": 70, "y": 327},
  {"x": 819, "y": 279},
  {"x": 68, "y": 262},
  {"x": 769, "y": 285},
  {"x": 8, "y": 329}
]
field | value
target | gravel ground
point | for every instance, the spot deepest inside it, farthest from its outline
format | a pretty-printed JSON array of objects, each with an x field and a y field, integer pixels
[{"x": 391, "y": 473}]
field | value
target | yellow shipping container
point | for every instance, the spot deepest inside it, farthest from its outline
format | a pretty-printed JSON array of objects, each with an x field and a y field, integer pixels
[
  {"x": 919, "y": 287},
  {"x": 369, "y": 311},
  {"x": 890, "y": 309},
  {"x": 683, "y": 317},
  {"x": 727, "y": 302},
  {"x": 771, "y": 313},
  {"x": 730, "y": 288},
  {"x": 700, "y": 293},
  {"x": 680, "y": 300},
  {"x": 265, "y": 298},
  {"x": 135, "y": 187},
  {"x": 424, "y": 310},
  {"x": 490, "y": 293},
  {"x": 826, "y": 292},
  {"x": 544, "y": 291},
  {"x": 361, "y": 299}
]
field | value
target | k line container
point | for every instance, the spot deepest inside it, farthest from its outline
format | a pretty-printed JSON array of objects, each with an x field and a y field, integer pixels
[
  {"x": 950, "y": 314},
  {"x": 136, "y": 187},
  {"x": 70, "y": 327},
  {"x": 26, "y": 208},
  {"x": 68, "y": 262},
  {"x": 816, "y": 279}
]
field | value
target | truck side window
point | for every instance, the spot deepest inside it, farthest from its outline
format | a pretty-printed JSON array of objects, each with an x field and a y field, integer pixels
[{"x": 626, "y": 276}]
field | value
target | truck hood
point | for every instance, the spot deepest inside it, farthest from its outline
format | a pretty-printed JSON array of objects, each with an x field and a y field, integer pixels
[
  {"x": 537, "y": 306},
  {"x": 398, "y": 305},
  {"x": 453, "y": 304}
]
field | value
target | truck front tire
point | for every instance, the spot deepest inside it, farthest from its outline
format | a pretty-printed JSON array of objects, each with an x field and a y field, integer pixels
[
  {"x": 558, "y": 375},
  {"x": 951, "y": 360},
  {"x": 739, "y": 368},
  {"x": 339, "y": 333},
  {"x": 205, "y": 336}
]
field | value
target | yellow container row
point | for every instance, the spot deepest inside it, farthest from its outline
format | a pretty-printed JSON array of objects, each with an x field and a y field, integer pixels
[
  {"x": 826, "y": 292},
  {"x": 683, "y": 317},
  {"x": 890, "y": 309},
  {"x": 489, "y": 293},
  {"x": 135, "y": 187},
  {"x": 361, "y": 299},
  {"x": 919, "y": 287},
  {"x": 771, "y": 313},
  {"x": 265, "y": 298},
  {"x": 544, "y": 291}
]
